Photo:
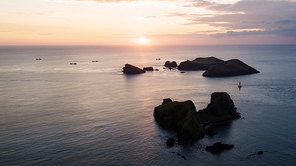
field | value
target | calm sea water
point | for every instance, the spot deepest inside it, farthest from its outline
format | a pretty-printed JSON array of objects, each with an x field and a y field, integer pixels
[{"x": 54, "y": 113}]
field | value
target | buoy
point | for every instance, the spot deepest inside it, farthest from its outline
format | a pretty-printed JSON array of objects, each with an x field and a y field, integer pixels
[{"x": 239, "y": 85}]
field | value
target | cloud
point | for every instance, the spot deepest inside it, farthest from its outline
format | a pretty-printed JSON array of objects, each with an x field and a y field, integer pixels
[
  {"x": 245, "y": 17},
  {"x": 241, "y": 18},
  {"x": 178, "y": 14},
  {"x": 151, "y": 17},
  {"x": 285, "y": 21},
  {"x": 116, "y": 1}
]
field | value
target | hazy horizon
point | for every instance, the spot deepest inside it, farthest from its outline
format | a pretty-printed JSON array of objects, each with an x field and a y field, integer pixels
[{"x": 147, "y": 22}]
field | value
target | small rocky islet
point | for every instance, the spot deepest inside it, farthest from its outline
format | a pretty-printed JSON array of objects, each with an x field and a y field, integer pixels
[{"x": 130, "y": 69}]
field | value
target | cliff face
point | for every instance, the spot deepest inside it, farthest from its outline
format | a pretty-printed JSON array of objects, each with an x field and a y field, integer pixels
[{"x": 182, "y": 116}]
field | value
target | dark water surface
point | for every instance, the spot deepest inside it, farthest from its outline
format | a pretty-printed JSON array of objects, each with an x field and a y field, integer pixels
[{"x": 54, "y": 113}]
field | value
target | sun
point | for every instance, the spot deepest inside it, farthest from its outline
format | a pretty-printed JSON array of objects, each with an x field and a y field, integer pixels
[{"x": 143, "y": 40}]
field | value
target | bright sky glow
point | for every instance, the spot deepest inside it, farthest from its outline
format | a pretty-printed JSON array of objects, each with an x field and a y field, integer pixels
[{"x": 147, "y": 22}]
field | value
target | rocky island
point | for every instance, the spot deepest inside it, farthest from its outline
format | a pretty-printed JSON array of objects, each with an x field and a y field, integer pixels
[
  {"x": 169, "y": 64},
  {"x": 190, "y": 124},
  {"x": 215, "y": 67},
  {"x": 130, "y": 69},
  {"x": 199, "y": 63},
  {"x": 233, "y": 67}
]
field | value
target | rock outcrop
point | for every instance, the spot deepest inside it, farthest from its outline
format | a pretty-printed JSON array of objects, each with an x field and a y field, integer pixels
[
  {"x": 221, "y": 108},
  {"x": 130, "y": 69},
  {"x": 171, "y": 141},
  {"x": 169, "y": 64},
  {"x": 199, "y": 63},
  {"x": 148, "y": 68},
  {"x": 182, "y": 116},
  {"x": 218, "y": 147},
  {"x": 233, "y": 67}
]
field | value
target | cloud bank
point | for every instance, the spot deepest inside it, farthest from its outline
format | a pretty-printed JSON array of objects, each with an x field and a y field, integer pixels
[
  {"x": 247, "y": 17},
  {"x": 242, "y": 18}
]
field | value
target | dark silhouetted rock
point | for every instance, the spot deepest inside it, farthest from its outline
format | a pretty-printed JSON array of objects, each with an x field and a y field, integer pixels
[
  {"x": 169, "y": 64},
  {"x": 210, "y": 132},
  {"x": 182, "y": 116},
  {"x": 168, "y": 100},
  {"x": 221, "y": 108},
  {"x": 260, "y": 152},
  {"x": 233, "y": 67},
  {"x": 218, "y": 147},
  {"x": 174, "y": 64},
  {"x": 148, "y": 68},
  {"x": 171, "y": 142},
  {"x": 130, "y": 69},
  {"x": 199, "y": 63}
]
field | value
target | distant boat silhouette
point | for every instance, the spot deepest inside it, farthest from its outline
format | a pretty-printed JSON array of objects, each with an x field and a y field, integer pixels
[
  {"x": 239, "y": 85},
  {"x": 73, "y": 63},
  {"x": 38, "y": 59}
]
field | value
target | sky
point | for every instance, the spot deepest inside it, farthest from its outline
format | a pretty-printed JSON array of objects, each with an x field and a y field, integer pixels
[{"x": 147, "y": 22}]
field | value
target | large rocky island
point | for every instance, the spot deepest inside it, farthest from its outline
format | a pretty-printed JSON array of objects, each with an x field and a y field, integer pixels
[
  {"x": 233, "y": 67},
  {"x": 215, "y": 67},
  {"x": 199, "y": 63},
  {"x": 190, "y": 124}
]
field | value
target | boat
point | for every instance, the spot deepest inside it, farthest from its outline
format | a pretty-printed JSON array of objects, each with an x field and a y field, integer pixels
[{"x": 239, "y": 85}]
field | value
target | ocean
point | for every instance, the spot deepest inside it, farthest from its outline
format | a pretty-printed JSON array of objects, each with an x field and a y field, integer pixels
[{"x": 54, "y": 113}]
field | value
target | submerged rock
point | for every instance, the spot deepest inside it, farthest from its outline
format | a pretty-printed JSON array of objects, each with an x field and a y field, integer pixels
[
  {"x": 182, "y": 116},
  {"x": 199, "y": 63},
  {"x": 130, "y": 69},
  {"x": 233, "y": 67},
  {"x": 218, "y": 147}
]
